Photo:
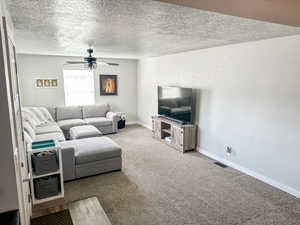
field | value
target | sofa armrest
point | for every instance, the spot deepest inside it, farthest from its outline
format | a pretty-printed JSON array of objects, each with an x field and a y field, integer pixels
[
  {"x": 68, "y": 161},
  {"x": 114, "y": 117}
]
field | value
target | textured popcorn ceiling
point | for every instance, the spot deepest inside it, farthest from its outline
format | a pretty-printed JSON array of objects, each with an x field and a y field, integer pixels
[{"x": 128, "y": 28}]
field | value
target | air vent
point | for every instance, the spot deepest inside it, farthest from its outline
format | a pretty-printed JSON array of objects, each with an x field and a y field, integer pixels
[{"x": 220, "y": 164}]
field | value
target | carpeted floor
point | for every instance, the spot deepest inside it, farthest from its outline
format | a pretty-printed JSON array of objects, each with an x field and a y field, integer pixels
[{"x": 160, "y": 186}]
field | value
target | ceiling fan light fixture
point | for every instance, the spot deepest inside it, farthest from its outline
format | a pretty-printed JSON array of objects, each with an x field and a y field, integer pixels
[
  {"x": 92, "y": 66},
  {"x": 90, "y": 62}
]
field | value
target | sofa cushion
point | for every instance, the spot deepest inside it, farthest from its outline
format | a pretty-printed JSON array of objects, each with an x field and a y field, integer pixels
[
  {"x": 98, "y": 121},
  {"x": 68, "y": 112},
  {"x": 27, "y": 137},
  {"x": 95, "y": 110},
  {"x": 94, "y": 149},
  {"x": 26, "y": 117},
  {"x": 30, "y": 116},
  {"x": 47, "y": 128},
  {"x": 46, "y": 114},
  {"x": 50, "y": 136},
  {"x": 29, "y": 129},
  {"x": 86, "y": 131},
  {"x": 67, "y": 124},
  {"x": 37, "y": 111}
]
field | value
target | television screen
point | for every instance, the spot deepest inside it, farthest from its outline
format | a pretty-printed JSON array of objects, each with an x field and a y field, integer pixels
[{"x": 176, "y": 103}]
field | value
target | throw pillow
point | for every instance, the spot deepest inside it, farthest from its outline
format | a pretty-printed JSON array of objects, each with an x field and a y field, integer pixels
[
  {"x": 30, "y": 117},
  {"x": 39, "y": 114},
  {"x": 46, "y": 113},
  {"x": 29, "y": 130}
]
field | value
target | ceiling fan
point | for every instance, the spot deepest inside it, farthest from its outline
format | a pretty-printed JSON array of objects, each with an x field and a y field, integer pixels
[{"x": 91, "y": 62}]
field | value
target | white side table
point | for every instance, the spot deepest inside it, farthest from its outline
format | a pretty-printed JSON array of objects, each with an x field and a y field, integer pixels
[{"x": 58, "y": 173}]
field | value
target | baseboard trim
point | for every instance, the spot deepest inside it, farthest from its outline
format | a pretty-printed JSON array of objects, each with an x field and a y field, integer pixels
[
  {"x": 251, "y": 173},
  {"x": 144, "y": 125},
  {"x": 131, "y": 122}
]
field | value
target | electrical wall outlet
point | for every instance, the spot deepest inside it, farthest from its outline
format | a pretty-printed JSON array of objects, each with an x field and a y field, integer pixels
[{"x": 228, "y": 150}]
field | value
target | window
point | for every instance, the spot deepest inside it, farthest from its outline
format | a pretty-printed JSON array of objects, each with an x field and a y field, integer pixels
[{"x": 79, "y": 87}]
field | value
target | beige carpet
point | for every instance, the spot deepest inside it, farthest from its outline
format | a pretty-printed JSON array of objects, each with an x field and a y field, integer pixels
[{"x": 160, "y": 186}]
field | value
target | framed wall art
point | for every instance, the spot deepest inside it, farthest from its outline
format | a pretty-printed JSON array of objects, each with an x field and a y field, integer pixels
[
  {"x": 108, "y": 85},
  {"x": 46, "y": 83}
]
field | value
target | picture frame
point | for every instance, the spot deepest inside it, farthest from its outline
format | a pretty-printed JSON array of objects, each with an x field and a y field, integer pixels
[
  {"x": 46, "y": 83},
  {"x": 108, "y": 85},
  {"x": 54, "y": 83},
  {"x": 39, "y": 83}
]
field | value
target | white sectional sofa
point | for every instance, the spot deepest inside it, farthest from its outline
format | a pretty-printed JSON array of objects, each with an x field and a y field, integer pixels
[
  {"x": 55, "y": 122},
  {"x": 81, "y": 157}
]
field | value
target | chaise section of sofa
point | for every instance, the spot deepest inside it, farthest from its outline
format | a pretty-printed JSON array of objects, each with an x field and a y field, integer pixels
[{"x": 90, "y": 156}]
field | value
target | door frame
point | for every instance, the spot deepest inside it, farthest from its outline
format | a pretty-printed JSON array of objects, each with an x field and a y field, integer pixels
[{"x": 20, "y": 160}]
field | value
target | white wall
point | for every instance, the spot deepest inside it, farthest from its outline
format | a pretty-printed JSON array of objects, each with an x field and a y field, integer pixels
[
  {"x": 31, "y": 67},
  {"x": 249, "y": 99}
]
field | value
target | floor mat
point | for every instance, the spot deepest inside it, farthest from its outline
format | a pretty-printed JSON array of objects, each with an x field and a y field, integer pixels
[{"x": 59, "y": 218}]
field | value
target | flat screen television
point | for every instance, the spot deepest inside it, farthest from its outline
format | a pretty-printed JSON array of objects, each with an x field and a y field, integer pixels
[{"x": 176, "y": 103}]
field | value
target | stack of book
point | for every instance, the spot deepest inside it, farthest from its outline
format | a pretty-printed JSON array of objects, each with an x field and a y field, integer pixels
[{"x": 43, "y": 144}]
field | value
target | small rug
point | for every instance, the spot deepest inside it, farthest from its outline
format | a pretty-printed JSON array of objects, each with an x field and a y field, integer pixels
[{"x": 59, "y": 218}]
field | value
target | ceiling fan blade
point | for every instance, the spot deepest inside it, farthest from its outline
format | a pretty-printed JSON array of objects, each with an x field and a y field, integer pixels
[
  {"x": 113, "y": 64},
  {"x": 76, "y": 62},
  {"x": 102, "y": 63},
  {"x": 108, "y": 63}
]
